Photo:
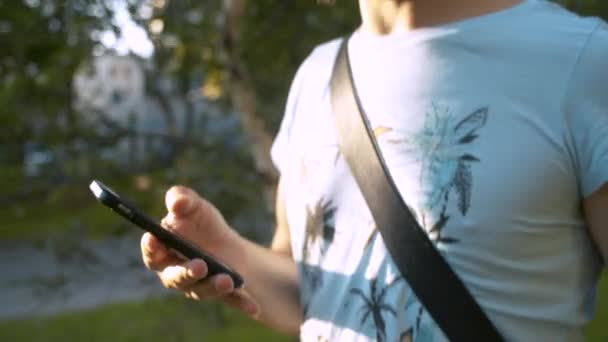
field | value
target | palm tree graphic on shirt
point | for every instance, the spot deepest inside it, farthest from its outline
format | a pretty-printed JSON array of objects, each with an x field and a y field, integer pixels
[
  {"x": 319, "y": 234},
  {"x": 320, "y": 226},
  {"x": 442, "y": 147},
  {"x": 375, "y": 305}
]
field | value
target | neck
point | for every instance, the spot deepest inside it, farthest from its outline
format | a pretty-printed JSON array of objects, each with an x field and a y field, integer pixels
[{"x": 388, "y": 16}]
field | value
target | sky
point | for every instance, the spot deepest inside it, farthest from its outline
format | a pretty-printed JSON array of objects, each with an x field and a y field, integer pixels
[{"x": 133, "y": 38}]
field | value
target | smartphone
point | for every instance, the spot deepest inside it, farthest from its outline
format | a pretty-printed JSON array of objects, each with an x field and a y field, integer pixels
[{"x": 173, "y": 241}]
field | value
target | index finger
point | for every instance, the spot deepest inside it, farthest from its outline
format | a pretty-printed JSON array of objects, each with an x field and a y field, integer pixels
[{"x": 154, "y": 253}]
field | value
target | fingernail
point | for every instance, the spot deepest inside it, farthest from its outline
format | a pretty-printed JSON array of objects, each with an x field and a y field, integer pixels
[
  {"x": 223, "y": 284},
  {"x": 181, "y": 206}
]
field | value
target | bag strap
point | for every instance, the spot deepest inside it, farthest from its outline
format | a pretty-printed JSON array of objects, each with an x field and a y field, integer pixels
[{"x": 433, "y": 281}]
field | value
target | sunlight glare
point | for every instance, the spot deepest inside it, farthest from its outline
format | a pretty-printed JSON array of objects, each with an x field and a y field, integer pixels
[{"x": 132, "y": 39}]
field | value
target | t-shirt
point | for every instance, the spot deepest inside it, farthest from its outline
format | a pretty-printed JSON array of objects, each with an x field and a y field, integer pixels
[{"x": 494, "y": 129}]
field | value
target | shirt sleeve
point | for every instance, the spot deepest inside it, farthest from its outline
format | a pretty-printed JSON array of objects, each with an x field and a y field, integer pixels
[
  {"x": 587, "y": 112},
  {"x": 279, "y": 149}
]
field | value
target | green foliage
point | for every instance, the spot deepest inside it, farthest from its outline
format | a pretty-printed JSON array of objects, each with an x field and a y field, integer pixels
[
  {"x": 597, "y": 8},
  {"x": 597, "y": 330},
  {"x": 286, "y": 32},
  {"x": 71, "y": 210},
  {"x": 43, "y": 44},
  {"x": 37, "y": 113},
  {"x": 176, "y": 319},
  {"x": 166, "y": 319},
  {"x": 41, "y": 47},
  {"x": 275, "y": 38}
]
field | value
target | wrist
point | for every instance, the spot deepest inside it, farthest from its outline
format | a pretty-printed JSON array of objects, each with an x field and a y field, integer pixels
[{"x": 233, "y": 249}]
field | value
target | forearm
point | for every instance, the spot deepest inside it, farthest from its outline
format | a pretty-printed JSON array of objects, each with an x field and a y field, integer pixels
[{"x": 272, "y": 279}]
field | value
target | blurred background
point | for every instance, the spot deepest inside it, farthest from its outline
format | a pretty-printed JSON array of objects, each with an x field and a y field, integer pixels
[{"x": 143, "y": 94}]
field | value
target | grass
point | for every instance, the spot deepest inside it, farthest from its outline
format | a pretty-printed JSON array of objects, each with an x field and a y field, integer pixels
[
  {"x": 170, "y": 318},
  {"x": 73, "y": 209},
  {"x": 173, "y": 318}
]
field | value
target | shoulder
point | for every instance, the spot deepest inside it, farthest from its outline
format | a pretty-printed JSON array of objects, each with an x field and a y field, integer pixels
[
  {"x": 591, "y": 68},
  {"x": 314, "y": 72},
  {"x": 311, "y": 78},
  {"x": 597, "y": 44},
  {"x": 326, "y": 51},
  {"x": 561, "y": 30},
  {"x": 579, "y": 47},
  {"x": 554, "y": 16},
  {"x": 319, "y": 62}
]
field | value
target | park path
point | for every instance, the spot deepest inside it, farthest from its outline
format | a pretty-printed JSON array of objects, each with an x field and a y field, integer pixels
[{"x": 63, "y": 274}]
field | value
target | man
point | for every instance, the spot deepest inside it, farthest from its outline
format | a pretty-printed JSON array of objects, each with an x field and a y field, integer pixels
[{"x": 493, "y": 119}]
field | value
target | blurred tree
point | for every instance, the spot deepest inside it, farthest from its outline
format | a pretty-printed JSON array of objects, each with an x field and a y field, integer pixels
[
  {"x": 43, "y": 42},
  {"x": 235, "y": 55},
  {"x": 190, "y": 38},
  {"x": 247, "y": 52}
]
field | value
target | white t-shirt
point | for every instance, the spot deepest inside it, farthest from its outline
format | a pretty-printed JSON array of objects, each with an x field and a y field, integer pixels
[{"x": 494, "y": 129}]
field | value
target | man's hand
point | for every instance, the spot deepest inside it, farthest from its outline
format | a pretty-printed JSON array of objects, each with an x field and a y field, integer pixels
[{"x": 197, "y": 220}]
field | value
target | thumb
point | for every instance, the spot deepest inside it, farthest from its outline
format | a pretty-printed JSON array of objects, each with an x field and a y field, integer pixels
[
  {"x": 194, "y": 218},
  {"x": 181, "y": 201}
]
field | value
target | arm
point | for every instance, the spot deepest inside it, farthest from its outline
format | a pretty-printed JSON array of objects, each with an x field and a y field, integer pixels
[
  {"x": 596, "y": 215},
  {"x": 274, "y": 276},
  {"x": 281, "y": 242},
  {"x": 271, "y": 291},
  {"x": 586, "y": 108}
]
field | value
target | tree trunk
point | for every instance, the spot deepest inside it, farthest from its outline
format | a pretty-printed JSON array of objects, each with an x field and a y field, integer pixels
[
  {"x": 243, "y": 97},
  {"x": 168, "y": 113}
]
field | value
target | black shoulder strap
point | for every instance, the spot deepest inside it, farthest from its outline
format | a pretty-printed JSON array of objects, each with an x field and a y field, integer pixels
[{"x": 433, "y": 281}]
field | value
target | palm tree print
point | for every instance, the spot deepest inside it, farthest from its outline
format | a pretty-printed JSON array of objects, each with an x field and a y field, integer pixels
[
  {"x": 443, "y": 149},
  {"x": 319, "y": 217},
  {"x": 320, "y": 226},
  {"x": 374, "y": 306},
  {"x": 406, "y": 336},
  {"x": 319, "y": 231},
  {"x": 423, "y": 327}
]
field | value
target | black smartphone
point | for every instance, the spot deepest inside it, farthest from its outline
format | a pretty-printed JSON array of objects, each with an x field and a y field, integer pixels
[{"x": 127, "y": 210}]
